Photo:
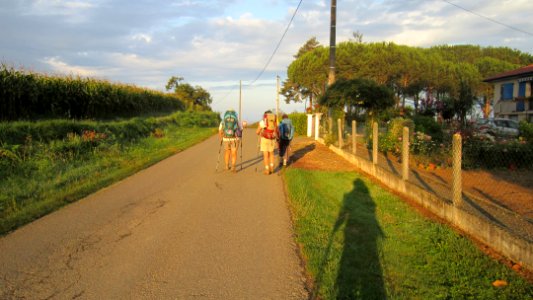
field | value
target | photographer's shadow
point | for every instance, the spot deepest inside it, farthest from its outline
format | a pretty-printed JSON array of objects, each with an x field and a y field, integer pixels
[{"x": 359, "y": 273}]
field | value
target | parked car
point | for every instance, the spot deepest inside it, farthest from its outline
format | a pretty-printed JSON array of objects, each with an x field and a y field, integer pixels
[{"x": 498, "y": 127}]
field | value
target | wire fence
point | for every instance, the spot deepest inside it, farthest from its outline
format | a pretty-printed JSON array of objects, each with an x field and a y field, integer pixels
[{"x": 493, "y": 178}]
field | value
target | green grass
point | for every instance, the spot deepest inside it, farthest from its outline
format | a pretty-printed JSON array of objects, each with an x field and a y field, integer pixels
[
  {"x": 361, "y": 242},
  {"x": 58, "y": 173}
]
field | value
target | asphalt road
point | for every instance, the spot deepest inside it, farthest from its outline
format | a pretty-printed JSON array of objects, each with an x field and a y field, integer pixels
[{"x": 177, "y": 230}]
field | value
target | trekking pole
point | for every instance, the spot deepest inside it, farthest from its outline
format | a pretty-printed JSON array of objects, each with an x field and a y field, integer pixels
[
  {"x": 242, "y": 140},
  {"x": 218, "y": 157},
  {"x": 258, "y": 142}
]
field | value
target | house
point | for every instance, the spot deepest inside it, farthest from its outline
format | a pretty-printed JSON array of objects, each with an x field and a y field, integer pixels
[{"x": 513, "y": 97}]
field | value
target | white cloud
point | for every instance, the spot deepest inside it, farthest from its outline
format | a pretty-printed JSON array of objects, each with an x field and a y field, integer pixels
[
  {"x": 74, "y": 10},
  {"x": 61, "y": 67},
  {"x": 142, "y": 37},
  {"x": 212, "y": 41}
]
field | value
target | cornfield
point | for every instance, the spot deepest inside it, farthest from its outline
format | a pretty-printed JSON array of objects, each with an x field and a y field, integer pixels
[{"x": 28, "y": 96}]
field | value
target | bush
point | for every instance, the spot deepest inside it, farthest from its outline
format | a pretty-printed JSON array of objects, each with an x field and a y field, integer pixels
[
  {"x": 526, "y": 131},
  {"x": 17, "y": 132},
  {"x": 486, "y": 154},
  {"x": 391, "y": 141},
  {"x": 429, "y": 126},
  {"x": 299, "y": 121}
]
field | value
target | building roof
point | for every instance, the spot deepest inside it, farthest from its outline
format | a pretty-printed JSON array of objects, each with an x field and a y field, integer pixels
[{"x": 527, "y": 70}]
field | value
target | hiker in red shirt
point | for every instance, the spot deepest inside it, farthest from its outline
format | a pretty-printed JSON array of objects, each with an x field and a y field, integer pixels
[{"x": 268, "y": 130}]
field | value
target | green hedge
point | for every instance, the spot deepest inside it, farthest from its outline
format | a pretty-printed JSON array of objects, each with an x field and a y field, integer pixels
[
  {"x": 29, "y": 96},
  {"x": 299, "y": 121},
  {"x": 487, "y": 154},
  {"x": 16, "y": 133}
]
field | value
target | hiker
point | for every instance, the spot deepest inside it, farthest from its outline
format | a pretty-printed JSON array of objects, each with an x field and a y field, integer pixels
[
  {"x": 268, "y": 130},
  {"x": 230, "y": 133},
  {"x": 286, "y": 133}
]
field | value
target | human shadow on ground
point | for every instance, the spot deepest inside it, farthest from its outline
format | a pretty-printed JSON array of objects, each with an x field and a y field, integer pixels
[
  {"x": 359, "y": 273},
  {"x": 250, "y": 162}
]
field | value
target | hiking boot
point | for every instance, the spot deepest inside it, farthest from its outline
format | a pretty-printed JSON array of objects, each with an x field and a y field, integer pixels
[
  {"x": 266, "y": 172},
  {"x": 233, "y": 169}
]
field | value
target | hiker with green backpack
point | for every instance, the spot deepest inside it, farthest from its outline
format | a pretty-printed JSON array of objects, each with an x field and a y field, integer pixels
[
  {"x": 268, "y": 130},
  {"x": 230, "y": 133},
  {"x": 286, "y": 133}
]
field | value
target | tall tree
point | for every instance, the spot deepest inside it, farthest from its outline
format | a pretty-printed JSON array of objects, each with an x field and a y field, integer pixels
[
  {"x": 195, "y": 96},
  {"x": 173, "y": 82},
  {"x": 311, "y": 44},
  {"x": 361, "y": 93}
]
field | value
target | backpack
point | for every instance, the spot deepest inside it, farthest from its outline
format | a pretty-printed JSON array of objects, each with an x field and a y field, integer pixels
[
  {"x": 231, "y": 125},
  {"x": 286, "y": 130},
  {"x": 269, "y": 132}
]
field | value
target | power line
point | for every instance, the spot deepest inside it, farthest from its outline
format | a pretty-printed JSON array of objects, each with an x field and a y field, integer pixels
[
  {"x": 487, "y": 18},
  {"x": 279, "y": 43},
  {"x": 269, "y": 60}
]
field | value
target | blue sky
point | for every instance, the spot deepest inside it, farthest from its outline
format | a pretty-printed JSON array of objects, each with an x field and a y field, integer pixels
[{"x": 216, "y": 43}]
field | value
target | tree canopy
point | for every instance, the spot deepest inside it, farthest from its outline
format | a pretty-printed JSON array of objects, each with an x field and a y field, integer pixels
[
  {"x": 360, "y": 93},
  {"x": 436, "y": 73},
  {"x": 196, "y": 97}
]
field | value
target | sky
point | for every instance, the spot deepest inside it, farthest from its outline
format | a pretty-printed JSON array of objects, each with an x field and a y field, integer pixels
[{"x": 216, "y": 44}]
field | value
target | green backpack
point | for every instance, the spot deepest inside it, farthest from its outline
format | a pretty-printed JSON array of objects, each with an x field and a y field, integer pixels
[{"x": 231, "y": 124}]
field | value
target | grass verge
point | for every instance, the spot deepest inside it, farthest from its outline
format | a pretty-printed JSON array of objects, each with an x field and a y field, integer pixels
[
  {"x": 48, "y": 180},
  {"x": 361, "y": 242}
]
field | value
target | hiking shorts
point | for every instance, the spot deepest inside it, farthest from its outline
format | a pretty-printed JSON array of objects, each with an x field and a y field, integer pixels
[
  {"x": 267, "y": 145},
  {"x": 231, "y": 144}
]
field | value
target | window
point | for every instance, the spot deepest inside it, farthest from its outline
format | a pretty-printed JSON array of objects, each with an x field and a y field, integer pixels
[
  {"x": 522, "y": 89},
  {"x": 507, "y": 91}
]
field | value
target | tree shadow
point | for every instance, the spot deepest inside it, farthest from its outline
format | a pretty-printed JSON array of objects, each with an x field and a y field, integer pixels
[
  {"x": 359, "y": 273},
  {"x": 296, "y": 155}
]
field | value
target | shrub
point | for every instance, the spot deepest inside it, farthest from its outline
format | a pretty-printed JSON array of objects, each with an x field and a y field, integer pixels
[
  {"x": 17, "y": 132},
  {"x": 526, "y": 131},
  {"x": 299, "y": 121},
  {"x": 429, "y": 126},
  {"x": 486, "y": 154}
]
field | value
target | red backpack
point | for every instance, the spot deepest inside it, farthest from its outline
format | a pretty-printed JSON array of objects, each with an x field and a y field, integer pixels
[{"x": 271, "y": 126}]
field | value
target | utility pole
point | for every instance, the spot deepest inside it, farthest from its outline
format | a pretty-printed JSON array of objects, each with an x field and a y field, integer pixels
[
  {"x": 240, "y": 100},
  {"x": 332, "y": 33},
  {"x": 277, "y": 97}
]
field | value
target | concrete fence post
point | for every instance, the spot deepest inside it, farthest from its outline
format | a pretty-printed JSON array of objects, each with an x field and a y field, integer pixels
[
  {"x": 309, "y": 125},
  {"x": 339, "y": 130},
  {"x": 330, "y": 125},
  {"x": 317, "y": 125},
  {"x": 405, "y": 154},
  {"x": 354, "y": 134},
  {"x": 457, "y": 188},
  {"x": 375, "y": 143}
]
